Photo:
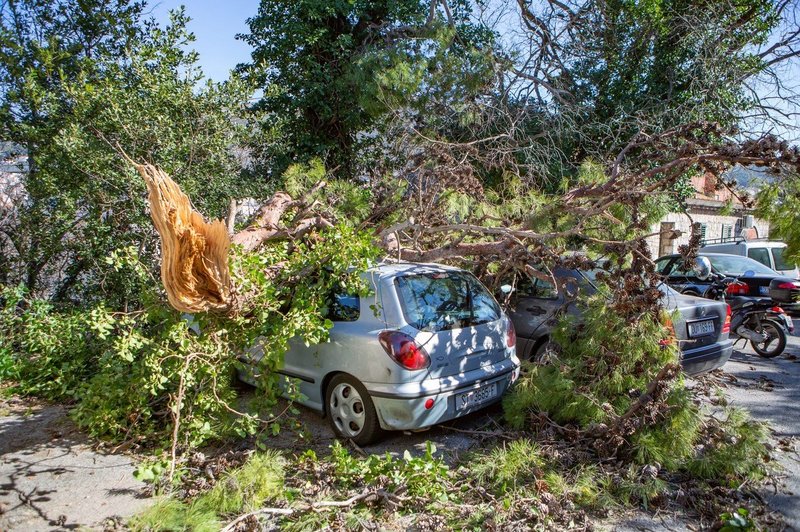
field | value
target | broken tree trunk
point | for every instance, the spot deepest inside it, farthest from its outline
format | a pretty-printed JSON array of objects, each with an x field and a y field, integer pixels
[{"x": 195, "y": 252}]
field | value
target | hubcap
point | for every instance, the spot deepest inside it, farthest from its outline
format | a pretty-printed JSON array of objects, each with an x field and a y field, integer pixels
[{"x": 346, "y": 409}]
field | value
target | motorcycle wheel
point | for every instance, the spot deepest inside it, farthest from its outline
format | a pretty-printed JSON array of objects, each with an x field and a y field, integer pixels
[{"x": 775, "y": 342}]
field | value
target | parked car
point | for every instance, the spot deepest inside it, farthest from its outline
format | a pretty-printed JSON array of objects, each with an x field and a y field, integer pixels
[
  {"x": 429, "y": 345},
  {"x": 767, "y": 252},
  {"x": 754, "y": 278},
  {"x": 702, "y": 326}
]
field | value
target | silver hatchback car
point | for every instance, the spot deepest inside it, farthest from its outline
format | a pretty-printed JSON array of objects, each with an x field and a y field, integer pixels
[{"x": 428, "y": 345}]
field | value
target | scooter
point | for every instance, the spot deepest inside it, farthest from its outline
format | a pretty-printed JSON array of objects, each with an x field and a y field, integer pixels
[{"x": 757, "y": 319}]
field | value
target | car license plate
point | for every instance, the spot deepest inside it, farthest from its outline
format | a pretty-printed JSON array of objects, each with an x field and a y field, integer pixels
[
  {"x": 763, "y": 290},
  {"x": 701, "y": 328},
  {"x": 475, "y": 397}
]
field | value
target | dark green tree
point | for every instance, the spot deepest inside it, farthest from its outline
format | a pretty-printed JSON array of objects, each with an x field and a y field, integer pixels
[
  {"x": 44, "y": 45},
  {"x": 331, "y": 71}
]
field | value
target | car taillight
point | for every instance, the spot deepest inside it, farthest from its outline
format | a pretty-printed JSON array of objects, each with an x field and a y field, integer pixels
[
  {"x": 404, "y": 350},
  {"x": 789, "y": 285},
  {"x": 511, "y": 334},
  {"x": 726, "y": 327},
  {"x": 737, "y": 289}
]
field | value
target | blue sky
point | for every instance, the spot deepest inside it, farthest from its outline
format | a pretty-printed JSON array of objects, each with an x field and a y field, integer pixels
[{"x": 215, "y": 24}]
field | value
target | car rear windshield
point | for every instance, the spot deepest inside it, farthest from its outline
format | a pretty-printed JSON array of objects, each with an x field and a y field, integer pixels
[
  {"x": 445, "y": 300},
  {"x": 780, "y": 262},
  {"x": 736, "y": 265}
]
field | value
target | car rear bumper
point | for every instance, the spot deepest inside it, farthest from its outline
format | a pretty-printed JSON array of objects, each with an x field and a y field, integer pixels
[
  {"x": 707, "y": 358},
  {"x": 403, "y": 407},
  {"x": 792, "y": 308}
]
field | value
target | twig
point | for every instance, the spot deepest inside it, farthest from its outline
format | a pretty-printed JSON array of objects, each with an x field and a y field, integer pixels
[
  {"x": 177, "y": 415},
  {"x": 315, "y": 506},
  {"x": 481, "y": 432}
]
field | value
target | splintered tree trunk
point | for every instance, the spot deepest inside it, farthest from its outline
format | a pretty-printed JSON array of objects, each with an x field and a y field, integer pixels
[{"x": 195, "y": 253}]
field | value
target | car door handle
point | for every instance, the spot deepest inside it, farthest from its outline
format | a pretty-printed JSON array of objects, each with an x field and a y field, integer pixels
[{"x": 536, "y": 311}]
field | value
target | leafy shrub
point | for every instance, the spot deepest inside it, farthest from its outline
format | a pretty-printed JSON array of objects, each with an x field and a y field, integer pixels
[
  {"x": 58, "y": 345},
  {"x": 421, "y": 476},
  {"x": 125, "y": 371}
]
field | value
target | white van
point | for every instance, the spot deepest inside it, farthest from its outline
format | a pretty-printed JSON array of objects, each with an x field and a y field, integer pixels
[{"x": 767, "y": 252}]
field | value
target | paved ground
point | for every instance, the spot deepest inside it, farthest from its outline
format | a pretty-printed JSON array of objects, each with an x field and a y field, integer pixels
[
  {"x": 51, "y": 478},
  {"x": 770, "y": 390}
]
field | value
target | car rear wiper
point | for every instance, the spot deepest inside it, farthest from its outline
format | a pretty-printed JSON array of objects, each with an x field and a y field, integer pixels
[{"x": 469, "y": 303}]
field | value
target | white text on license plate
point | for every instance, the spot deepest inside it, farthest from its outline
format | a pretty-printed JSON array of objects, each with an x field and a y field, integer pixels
[
  {"x": 701, "y": 328},
  {"x": 475, "y": 397}
]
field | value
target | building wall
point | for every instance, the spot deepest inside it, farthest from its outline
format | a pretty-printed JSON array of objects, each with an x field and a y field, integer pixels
[{"x": 714, "y": 223}]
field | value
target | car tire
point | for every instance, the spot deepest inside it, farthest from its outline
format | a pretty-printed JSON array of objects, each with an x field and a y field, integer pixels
[
  {"x": 776, "y": 332},
  {"x": 691, "y": 292},
  {"x": 546, "y": 353},
  {"x": 350, "y": 410}
]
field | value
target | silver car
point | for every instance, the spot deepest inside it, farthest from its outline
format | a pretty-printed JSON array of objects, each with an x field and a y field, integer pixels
[{"x": 428, "y": 345}]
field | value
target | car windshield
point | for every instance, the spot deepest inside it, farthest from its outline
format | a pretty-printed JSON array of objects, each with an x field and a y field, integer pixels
[
  {"x": 780, "y": 262},
  {"x": 736, "y": 265},
  {"x": 445, "y": 300}
]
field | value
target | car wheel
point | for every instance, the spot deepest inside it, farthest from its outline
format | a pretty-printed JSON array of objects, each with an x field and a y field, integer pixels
[
  {"x": 774, "y": 342},
  {"x": 350, "y": 410},
  {"x": 546, "y": 353},
  {"x": 691, "y": 292}
]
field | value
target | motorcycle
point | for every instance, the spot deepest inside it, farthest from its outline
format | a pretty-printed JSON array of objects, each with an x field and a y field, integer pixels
[{"x": 756, "y": 319}]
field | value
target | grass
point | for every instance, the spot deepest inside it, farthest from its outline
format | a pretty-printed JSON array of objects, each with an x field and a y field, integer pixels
[
  {"x": 507, "y": 467},
  {"x": 243, "y": 490}
]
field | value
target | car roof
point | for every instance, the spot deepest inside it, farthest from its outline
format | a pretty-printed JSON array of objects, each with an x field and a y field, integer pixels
[
  {"x": 705, "y": 254},
  {"x": 388, "y": 269},
  {"x": 751, "y": 243}
]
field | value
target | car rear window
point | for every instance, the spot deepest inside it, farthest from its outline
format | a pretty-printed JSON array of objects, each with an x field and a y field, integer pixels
[
  {"x": 780, "y": 262},
  {"x": 445, "y": 300},
  {"x": 735, "y": 265}
]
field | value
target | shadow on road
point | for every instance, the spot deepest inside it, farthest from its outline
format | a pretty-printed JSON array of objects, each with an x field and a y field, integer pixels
[{"x": 51, "y": 478}]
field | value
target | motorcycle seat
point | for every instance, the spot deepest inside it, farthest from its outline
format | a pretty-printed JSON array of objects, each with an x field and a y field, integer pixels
[{"x": 740, "y": 302}]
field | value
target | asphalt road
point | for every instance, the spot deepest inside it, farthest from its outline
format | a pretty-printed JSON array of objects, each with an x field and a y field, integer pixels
[
  {"x": 53, "y": 477},
  {"x": 770, "y": 390}
]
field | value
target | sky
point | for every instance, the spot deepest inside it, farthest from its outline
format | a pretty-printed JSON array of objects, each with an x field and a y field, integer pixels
[{"x": 215, "y": 25}]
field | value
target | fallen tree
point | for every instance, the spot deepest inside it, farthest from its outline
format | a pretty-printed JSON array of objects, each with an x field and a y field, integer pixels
[{"x": 610, "y": 214}]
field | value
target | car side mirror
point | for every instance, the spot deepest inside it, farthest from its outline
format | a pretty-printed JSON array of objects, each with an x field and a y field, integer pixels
[{"x": 702, "y": 268}]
